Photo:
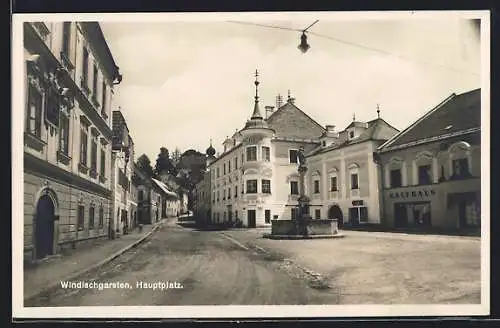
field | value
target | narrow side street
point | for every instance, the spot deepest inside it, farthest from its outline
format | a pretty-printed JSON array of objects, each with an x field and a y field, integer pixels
[{"x": 212, "y": 270}]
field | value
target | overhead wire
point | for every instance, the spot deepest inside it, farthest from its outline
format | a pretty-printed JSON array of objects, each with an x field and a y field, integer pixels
[{"x": 385, "y": 52}]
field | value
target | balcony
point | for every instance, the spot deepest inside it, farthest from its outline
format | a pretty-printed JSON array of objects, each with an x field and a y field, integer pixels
[
  {"x": 33, "y": 141},
  {"x": 63, "y": 157},
  {"x": 83, "y": 168}
]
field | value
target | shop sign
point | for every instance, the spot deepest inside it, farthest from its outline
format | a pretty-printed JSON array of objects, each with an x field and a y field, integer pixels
[{"x": 415, "y": 194}]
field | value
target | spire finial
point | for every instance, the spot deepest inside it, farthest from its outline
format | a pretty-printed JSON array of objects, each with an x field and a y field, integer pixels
[
  {"x": 354, "y": 117},
  {"x": 210, "y": 141},
  {"x": 256, "y": 110},
  {"x": 378, "y": 111},
  {"x": 289, "y": 94}
]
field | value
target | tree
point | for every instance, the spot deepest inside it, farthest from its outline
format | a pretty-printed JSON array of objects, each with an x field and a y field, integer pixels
[
  {"x": 144, "y": 164},
  {"x": 176, "y": 156},
  {"x": 163, "y": 163}
]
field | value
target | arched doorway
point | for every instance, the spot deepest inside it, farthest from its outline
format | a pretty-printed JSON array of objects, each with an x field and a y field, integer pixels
[
  {"x": 336, "y": 213},
  {"x": 44, "y": 227}
]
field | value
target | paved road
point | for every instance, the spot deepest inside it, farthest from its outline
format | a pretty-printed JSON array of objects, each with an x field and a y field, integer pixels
[{"x": 202, "y": 268}]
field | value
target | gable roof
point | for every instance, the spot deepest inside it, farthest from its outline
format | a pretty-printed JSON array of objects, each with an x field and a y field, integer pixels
[
  {"x": 289, "y": 121},
  {"x": 164, "y": 188},
  {"x": 455, "y": 114},
  {"x": 378, "y": 130}
]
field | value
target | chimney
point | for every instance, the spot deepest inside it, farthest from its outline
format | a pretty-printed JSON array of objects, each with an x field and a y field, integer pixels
[
  {"x": 269, "y": 110},
  {"x": 330, "y": 128},
  {"x": 291, "y": 100}
]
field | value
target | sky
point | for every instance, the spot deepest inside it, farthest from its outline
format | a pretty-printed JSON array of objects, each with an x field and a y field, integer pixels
[{"x": 185, "y": 83}]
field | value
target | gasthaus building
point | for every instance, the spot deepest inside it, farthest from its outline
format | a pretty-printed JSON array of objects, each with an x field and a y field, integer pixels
[{"x": 432, "y": 169}]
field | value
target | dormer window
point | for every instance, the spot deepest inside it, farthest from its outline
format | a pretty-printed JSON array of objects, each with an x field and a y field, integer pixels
[
  {"x": 324, "y": 143},
  {"x": 351, "y": 134}
]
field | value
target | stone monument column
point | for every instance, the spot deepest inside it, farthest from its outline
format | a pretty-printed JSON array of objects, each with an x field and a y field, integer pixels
[{"x": 303, "y": 200}]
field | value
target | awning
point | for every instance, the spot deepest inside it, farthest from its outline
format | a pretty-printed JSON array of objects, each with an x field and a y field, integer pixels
[{"x": 164, "y": 188}]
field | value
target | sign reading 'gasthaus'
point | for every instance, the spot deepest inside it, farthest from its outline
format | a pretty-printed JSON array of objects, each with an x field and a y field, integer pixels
[{"x": 422, "y": 193}]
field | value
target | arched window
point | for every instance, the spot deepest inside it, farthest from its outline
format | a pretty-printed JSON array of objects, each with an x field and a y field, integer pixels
[
  {"x": 460, "y": 160},
  {"x": 423, "y": 168},
  {"x": 395, "y": 173}
]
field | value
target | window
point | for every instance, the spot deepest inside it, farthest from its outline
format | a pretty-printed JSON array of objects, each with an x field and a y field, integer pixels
[
  {"x": 351, "y": 134},
  {"x": 424, "y": 174},
  {"x": 266, "y": 186},
  {"x": 242, "y": 158},
  {"x": 266, "y": 154},
  {"x": 224, "y": 169},
  {"x": 218, "y": 195},
  {"x": 242, "y": 188},
  {"x": 91, "y": 217},
  {"x": 93, "y": 155},
  {"x": 63, "y": 133},
  {"x": 267, "y": 216},
  {"x": 94, "y": 82},
  {"x": 104, "y": 90},
  {"x": 81, "y": 217},
  {"x": 251, "y": 153},
  {"x": 101, "y": 217},
  {"x": 396, "y": 178},
  {"x": 83, "y": 144},
  {"x": 317, "y": 214},
  {"x": 294, "y": 187},
  {"x": 224, "y": 194},
  {"x": 316, "y": 186},
  {"x": 354, "y": 181},
  {"x": 141, "y": 195},
  {"x": 66, "y": 38},
  {"x": 236, "y": 163},
  {"x": 103, "y": 163},
  {"x": 218, "y": 172},
  {"x": 85, "y": 68},
  {"x": 295, "y": 213},
  {"x": 213, "y": 199},
  {"x": 333, "y": 184},
  {"x": 251, "y": 186},
  {"x": 229, "y": 166},
  {"x": 52, "y": 106},
  {"x": 235, "y": 191},
  {"x": 323, "y": 143},
  {"x": 293, "y": 155},
  {"x": 229, "y": 193},
  {"x": 363, "y": 214},
  {"x": 34, "y": 117},
  {"x": 460, "y": 168}
]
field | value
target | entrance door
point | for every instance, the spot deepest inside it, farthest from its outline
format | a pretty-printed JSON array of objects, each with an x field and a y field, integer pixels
[
  {"x": 44, "y": 227},
  {"x": 400, "y": 216},
  {"x": 252, "y": 222},
  {"x": 336, "y": 213},
  {"x": 354, "y": 216},
  {"x": 229, "y": 213}
]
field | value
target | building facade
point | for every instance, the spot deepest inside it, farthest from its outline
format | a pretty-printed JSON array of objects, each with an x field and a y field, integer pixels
[
  {"x": 253, "y": 179},
  {"x": 202, "y": 204},
  {"x": 431, "y": 171},
  {"x": 69, "y": 79},
  {"x": 343, "y": 177},
  {"x": 122, "y": 165}
]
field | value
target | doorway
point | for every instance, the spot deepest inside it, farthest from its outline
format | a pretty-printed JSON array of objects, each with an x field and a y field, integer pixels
[
  {"x": 44, "y": 227},
  {"x": 252, "y": 222},
  {"x": 335, "y": 213},
  {"x": 400, "y": 216}
]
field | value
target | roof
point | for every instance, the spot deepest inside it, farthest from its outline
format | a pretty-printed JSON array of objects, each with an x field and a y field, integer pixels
[
  {"x": 290, "y": 121},
  {"x": 164, "y": 188},
  {"x": 378, "y": 130},
  {"x": 356, "y": 124},
  {"x": 455, "y": 114}
]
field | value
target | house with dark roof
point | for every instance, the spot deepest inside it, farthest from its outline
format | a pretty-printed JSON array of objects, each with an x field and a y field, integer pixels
[
  {"x": 431, "y": 171},
  {"x": 343, "y": 179}
]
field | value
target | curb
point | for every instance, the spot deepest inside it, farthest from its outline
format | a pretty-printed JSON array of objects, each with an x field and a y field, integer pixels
[{"x": 95, "y": 266}]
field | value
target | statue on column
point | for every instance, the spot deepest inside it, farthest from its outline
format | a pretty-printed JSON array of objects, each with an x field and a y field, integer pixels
[{"x": 303, "y": 199}]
